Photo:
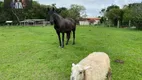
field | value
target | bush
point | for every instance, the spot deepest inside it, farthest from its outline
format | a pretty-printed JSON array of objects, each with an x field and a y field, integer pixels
[{"x": 138, "y": 24}]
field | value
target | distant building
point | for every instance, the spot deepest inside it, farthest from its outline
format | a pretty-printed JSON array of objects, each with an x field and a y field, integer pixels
[
  {"x": 89, "y": 21},
  {"x": 34, "y": 22}
]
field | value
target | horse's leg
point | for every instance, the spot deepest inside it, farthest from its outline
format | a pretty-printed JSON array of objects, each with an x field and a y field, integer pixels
[
  {"x": 63, "y": 40},
  {"x": 58, "y": 33},
  {"x": 68, "y": 37},
  {"x": 73, "y": 37}
]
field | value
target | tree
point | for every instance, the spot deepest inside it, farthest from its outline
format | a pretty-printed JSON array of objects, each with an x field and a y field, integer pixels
[
  {"x": 136, "y": 14},
  {"x": 39, "y": 11},
  {"x": 63, "y": 12},
  {"x": 79, "y": 8},
  {"x": 127, "y": 17},
  {"x": 113, "y": 14},
  {"x": 112, "y": 7},
  {"x": 133, "y": 14},
  {"x": 77, "y": 11}
]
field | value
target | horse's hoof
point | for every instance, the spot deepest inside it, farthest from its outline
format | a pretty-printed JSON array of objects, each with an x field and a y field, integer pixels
[{"x": 62, "y": 46}]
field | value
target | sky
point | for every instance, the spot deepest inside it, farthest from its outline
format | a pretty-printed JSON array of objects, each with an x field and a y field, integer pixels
[{"x": 93, "y": 7}]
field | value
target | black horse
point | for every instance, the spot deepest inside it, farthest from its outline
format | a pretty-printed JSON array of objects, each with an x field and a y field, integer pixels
[{"x": 63, "y": 26}]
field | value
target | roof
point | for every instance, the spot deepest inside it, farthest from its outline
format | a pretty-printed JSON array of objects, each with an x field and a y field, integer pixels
[{"x": 92, "y": 19}]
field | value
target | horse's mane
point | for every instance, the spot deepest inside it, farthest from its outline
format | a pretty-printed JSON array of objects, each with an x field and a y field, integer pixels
[
  {"x": 72, "y": 20},
  {"x": 57, "y": 15}
]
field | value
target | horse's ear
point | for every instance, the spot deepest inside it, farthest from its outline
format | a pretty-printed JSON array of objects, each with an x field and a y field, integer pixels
[
  {"x": 53, "y": 9},
  {"x": 48, "y": 9}
]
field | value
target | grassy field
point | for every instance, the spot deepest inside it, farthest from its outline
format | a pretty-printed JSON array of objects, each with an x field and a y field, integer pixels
[{"x": 33, "y": 53}]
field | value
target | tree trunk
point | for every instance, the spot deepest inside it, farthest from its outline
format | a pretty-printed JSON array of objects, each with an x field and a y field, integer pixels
[
  {"x": 118, "y": 24},
  {"x": 16, "y": 16},
  {"x": 129, "y": 23}
]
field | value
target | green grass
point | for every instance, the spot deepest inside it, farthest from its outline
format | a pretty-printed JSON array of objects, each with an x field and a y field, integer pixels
[{"x": 33, "y": 53}]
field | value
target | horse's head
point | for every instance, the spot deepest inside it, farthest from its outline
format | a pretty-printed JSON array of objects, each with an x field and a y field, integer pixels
[{"x": 51, "y": 11}]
